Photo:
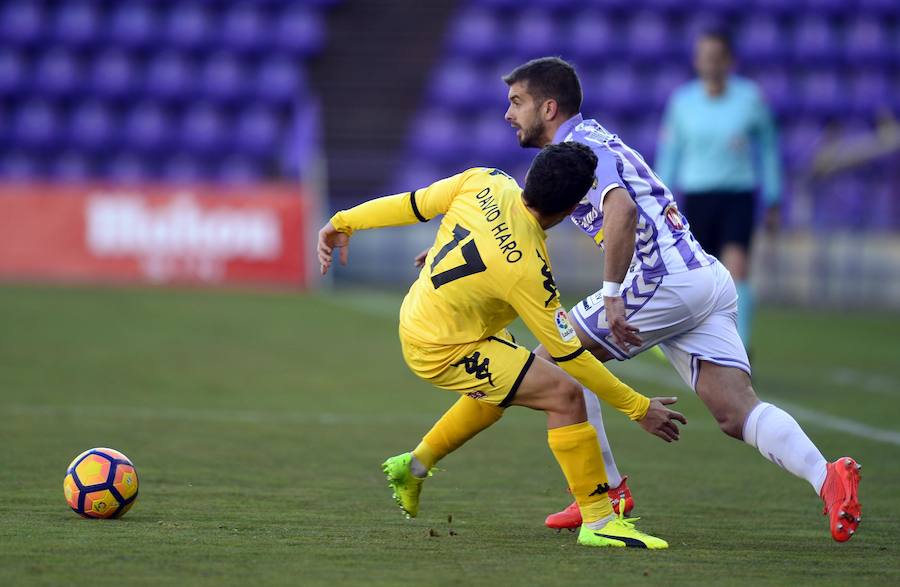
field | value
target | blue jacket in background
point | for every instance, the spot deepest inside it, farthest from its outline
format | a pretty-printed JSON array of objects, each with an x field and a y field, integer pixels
[{"x": 722, "y": 143}]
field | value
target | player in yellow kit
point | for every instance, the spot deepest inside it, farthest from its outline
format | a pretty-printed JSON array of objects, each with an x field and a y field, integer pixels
[{"x": 489, "y": 264}]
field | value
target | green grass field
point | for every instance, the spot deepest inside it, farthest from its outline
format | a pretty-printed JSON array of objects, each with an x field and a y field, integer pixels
[{"x": 257, "y": 422}]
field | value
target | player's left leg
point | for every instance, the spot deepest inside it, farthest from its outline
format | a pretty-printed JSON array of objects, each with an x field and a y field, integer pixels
[
  {"x": 712, "y": 360},
  {"x": 728, "y": 394}
]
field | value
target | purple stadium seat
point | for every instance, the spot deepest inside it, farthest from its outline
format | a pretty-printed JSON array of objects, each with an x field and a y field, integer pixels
[
  {"x": 299, "y": 30},
  {"x": 773, "y": 7},
  {"x": 777, "y": 87},
  {"x": 238, "y": 169},
  {"x": 591, "y": 37},
  {"x": 554, "y": 5},
  {"x": 814, "y": 40},
  {"x": 91, "y": 127},
  {"x": 243, "y": 27},
  {"x": 883, "y": 7},
  {"x": 759, "y": 39},
  {"x": 619, "y": 91},
  {"x": 693, "y": 26},
  {"x": 821, "y": 93},
  {"x": 133, "y": 24},
  {"x": 71, "y": 166},
  {"x": 222, "y": 77},
  {"x": 866, "y": 40},
  {"x": 663, "y": 82},
  {"x": 438, "y": 136},
  {"x": 257, "y": 131},
  {"x": 36, "y": 124},
  {"x": 76, "y": 23},
  {"x": 477, "y": 33},
  {"x": 416, "y": 174},
  {"x": 127, "y": 168},
  {"x": 457, "y": 84},
  {"x": 168, "y": 76},
  {"x": 498, "y": 4},
  {"x": 183, "y": 168},
  {"x": 188, "y": 25},
  {"x": 535, "y": 34},
  {"x": 723, "y": 8},
  {"x": 493, "y": 139},
  {"x": 647, "y": 37},
  {"x": 56, "y": 73},
  {"x": 614, "y": 6},
  {"x": 801, "y": 139},
  {"x": 202, "y": 129},
  {"x": 659, "y": 6},
  {"x": 869, "y": 91},
  {"x": 113, "y": 74},
  {"x": 829, "y": 7},
  {"x": 644, "y": 136},
  {"x": 19, "y": 166},
  {"x": 147, "y": 128},
  {"x": 21, "y": 22},
  {"x": 279, "y": 80},
  {"x": 12, "y": 71}
]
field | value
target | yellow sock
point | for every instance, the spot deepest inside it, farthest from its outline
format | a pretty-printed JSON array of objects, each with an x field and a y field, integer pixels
[
  {"x": 466, "y": 418},
  {"x": 578, "y": 454}
]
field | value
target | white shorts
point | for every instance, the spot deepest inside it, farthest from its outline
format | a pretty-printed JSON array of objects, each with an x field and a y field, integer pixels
[{"x": 692, "y": 316}]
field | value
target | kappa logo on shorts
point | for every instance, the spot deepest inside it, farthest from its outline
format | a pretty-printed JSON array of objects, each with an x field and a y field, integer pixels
[
  {"x": 481, "y": 370},
  {"x": 549, "y": 283},
  {"x": 476, "y": 394}
]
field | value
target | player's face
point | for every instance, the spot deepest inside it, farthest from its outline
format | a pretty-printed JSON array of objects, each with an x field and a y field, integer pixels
[
  {"x": 524, "y": 115},
  {"x": 712, "y": 59}
]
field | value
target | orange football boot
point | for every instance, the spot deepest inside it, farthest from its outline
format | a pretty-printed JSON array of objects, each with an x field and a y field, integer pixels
[
  {"x": 839, "y": 492},
  {"x": 570, "y": 517}
]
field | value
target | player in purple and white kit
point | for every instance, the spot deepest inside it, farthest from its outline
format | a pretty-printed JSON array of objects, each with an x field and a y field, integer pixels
[{"x": 661, "y": 288}]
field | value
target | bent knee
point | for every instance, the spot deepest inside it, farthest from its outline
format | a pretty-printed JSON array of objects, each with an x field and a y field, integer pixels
[
  {"x": 569, "y": 398},
  {"x": 731, "y": 424}
]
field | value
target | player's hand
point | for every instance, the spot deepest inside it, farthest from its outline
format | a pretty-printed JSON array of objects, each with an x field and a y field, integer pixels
[
  {"x": 623, "y": 333},
  {"x": 330, "y": 239},
  {"x": 419, "y": 261},
  {"x": 660, "y": 420}
]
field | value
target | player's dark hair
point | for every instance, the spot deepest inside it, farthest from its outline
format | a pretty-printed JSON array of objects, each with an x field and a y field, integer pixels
[
  {"x": 550, "y": 78},
  {"x": 559, "y": 177},
  {"x": 720, "y": 34}
]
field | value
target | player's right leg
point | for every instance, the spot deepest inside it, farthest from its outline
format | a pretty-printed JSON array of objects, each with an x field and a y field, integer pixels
[{"x": 573, "y": 442}]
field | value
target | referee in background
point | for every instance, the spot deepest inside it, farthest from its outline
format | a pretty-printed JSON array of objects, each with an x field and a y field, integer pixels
[{"x": 718, "y": 147}]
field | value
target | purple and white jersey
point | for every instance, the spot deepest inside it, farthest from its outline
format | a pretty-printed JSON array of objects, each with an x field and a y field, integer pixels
[{"x": 664, "y": 244}]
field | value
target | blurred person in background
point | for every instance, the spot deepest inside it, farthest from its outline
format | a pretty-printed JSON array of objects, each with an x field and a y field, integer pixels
[{"x": 718, "y": 147}]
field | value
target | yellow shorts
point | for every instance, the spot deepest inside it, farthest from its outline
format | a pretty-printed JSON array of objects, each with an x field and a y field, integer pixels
[{"x": 489, "y": 370}]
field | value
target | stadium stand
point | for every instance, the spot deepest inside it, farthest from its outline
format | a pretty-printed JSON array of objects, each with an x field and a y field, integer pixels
[
  {"x": 821, "y": 64},
  {"x": 157, "y": 89}
]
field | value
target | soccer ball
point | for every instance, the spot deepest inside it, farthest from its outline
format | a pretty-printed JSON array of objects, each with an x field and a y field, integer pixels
[{"x": 101, "y": 483}]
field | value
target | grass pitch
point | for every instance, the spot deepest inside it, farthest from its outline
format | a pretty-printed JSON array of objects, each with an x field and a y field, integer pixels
[{"x": 257, "y": 422}]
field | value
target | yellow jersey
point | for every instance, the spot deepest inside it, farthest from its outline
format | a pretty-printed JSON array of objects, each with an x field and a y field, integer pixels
[{"x": 488, "y": 265}]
